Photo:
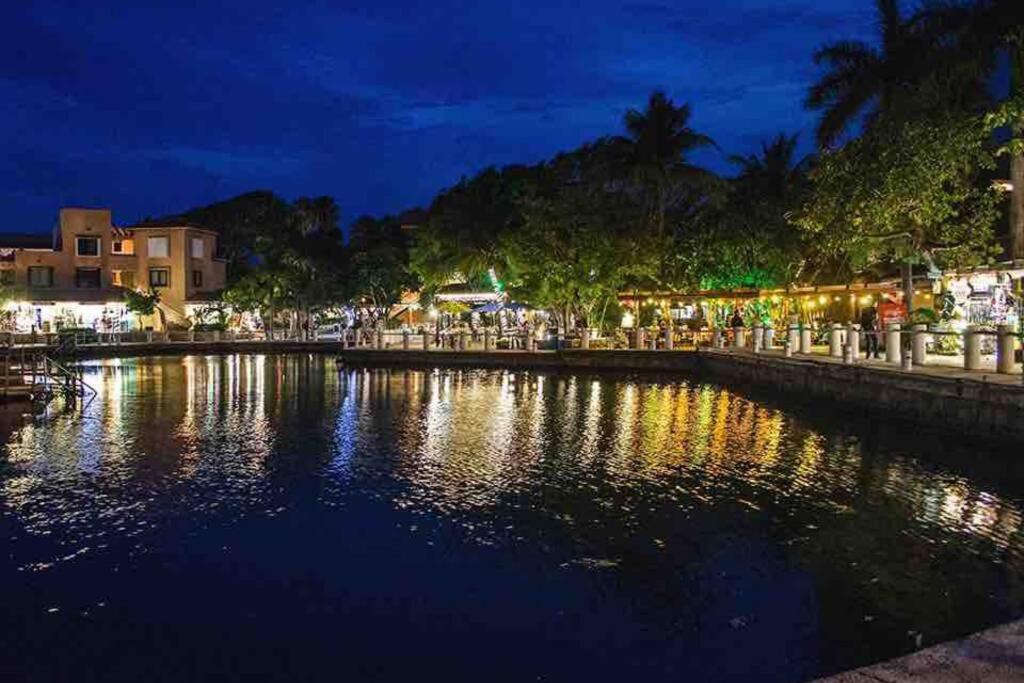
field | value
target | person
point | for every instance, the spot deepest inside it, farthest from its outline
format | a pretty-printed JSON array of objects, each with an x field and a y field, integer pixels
[
  {"x": 737, "y": 319},
  {"x": 869, "y": 327}
]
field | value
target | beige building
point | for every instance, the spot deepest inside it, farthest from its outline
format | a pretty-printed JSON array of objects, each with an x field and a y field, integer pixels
[{"x": 77, "y": 275}]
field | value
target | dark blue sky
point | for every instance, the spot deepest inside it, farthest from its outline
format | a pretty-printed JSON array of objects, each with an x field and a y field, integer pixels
[{"x": 154, "y": 107}]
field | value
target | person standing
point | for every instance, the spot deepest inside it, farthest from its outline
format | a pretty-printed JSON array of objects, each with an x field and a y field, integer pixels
[{"x": 869, "y": 326}]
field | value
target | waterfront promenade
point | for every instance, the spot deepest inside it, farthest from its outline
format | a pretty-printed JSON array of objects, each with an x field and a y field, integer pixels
[{"x": 995, "y": 655}]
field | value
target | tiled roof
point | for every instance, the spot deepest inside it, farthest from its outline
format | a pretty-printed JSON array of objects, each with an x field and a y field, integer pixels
[{"x": 25, "y": 240}]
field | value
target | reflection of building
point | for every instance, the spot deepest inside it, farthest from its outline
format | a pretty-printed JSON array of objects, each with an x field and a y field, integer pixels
[{"x": 77, "y": 276}]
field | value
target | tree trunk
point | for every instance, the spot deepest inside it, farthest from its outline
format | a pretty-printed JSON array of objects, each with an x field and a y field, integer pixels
[
  {"x": 1017, "y": 160},
  {"x": 908, "y": 287},
  {"x": 1017, "y": 207}
]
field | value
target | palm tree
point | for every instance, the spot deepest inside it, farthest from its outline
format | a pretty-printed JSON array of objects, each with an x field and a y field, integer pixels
[
  {"x": 776, "y": 170},
  {"x": 976, "y": 34},
  {"x": 861, "y": 79},
  {"x": 659, "y": 139},
  {"x": 768, "y": 187}
]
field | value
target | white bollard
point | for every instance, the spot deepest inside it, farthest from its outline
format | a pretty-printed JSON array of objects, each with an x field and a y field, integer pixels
[
  {"x": 652, "y": 343},
  {"x": 787, "y": 347},
  {"x": 853, "y": 341},
  {"x": 893, "y": 354},
  {"x": 793, "y": 337},
  {"x": 405, "y": 340},
  {"x": 426, "y": 340},
  {"x": 758, "y": 332},
  {"x": 739, "y": 337},
  {"x": 585, "y": 338},
  {"x": 668, "y": 338},
  {"x": 972, "y": 348},
  {"x": 919, "y": 344},
  {"x": 1005, "y": 347},
  {"x": 908, "y": 360},
  {"x": 835, "y": 341},
  {"x": 768, "y": 340},
  {"x": 805, "y": 339}
]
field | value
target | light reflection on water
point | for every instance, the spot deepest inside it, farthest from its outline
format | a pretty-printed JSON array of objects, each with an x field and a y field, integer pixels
[{"x": 688, "y": 507}]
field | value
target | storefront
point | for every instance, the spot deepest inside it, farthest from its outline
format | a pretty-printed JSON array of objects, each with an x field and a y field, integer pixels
[{"x": 42, "y": 317}]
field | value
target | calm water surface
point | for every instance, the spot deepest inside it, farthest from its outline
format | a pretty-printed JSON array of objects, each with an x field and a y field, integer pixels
[{"x": 269, "y": 518}]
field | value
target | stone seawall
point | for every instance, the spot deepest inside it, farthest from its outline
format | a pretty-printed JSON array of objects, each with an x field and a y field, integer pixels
[
  {"x": 972, "y": 406},
  {"x": 97, "y": 351}
]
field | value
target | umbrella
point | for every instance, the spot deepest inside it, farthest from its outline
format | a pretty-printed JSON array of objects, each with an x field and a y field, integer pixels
[{"x": 496, "y": 306}]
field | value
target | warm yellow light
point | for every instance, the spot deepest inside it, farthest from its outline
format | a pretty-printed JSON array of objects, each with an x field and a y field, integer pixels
[{"x": 822, "y": 299}]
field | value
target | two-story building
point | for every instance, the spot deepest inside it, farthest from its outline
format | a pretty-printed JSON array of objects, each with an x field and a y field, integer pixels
[{"x": 77, "y": 275}]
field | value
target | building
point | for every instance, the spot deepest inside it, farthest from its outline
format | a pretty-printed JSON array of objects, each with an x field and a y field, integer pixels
[{"x": 76, "y": 277}]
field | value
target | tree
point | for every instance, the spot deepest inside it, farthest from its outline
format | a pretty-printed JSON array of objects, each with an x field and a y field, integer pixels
[
  {"x": 906, "y": 192},
  {"x": 145, "y": 304},
  {"x": 461, "y": 240},
  {"x": 976, "y": 34},
  {"x": 656, "y": 148},
  {"x": 861, "y": 79},
  {"x": 379, "y": 271},
  {"x": 758, "y": 246},
  {"x": 571, "y": 253}
]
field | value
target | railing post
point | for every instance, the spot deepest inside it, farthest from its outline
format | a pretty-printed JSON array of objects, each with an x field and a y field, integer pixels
[
  {"x": 835, "y": 341},
  {"x": 405, "y": 340},
  {"x": 972, "y": 348},
  {"x": 462, "y": 340},
  {"x": 756, "y": 331},
  {"x": 793, "y": 337},
  {"x": 716, "y": 338},
  {"x": 852, "y": 343},
  {"x": 892, "y": 344},
  {"x": 805, "y": 339},
  {"x": 488, "y": 339},
  {"x": 739, "y": 337},
  {"x": 640, "y": 338},
  {"x": 1005, "y": 347},
  {"x": 919, "y": 344},
  {"x": 380, "y": 337},
  {"x": 768, "y": 337},
  {"x": 585, "y": 338}
]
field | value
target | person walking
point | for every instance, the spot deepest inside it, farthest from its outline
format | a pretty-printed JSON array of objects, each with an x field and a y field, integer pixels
[
  {"x": 869, "y": 326},
  {"x": 737, "y": 319}
]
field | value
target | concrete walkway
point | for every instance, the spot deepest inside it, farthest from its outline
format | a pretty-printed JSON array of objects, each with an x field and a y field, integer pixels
[
  {"x": 936, "y": 367},
  {"x": 993, "y": 656}
]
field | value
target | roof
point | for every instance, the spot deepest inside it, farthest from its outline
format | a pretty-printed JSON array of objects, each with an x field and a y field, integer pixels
[
  {"x": 25, "y": 240},
  {"x": 168, "y": 222}
]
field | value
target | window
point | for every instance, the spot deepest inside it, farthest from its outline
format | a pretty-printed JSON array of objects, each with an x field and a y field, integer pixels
[
  {"x": 87, "y": 277},
  {"x": 158, "y": 247},
  {"x": 6, "y": 277},
  {"x": 159, "y": 277},
  {"x": 197, "y": 247},
  {"x": 197, "y": 278},
  {"x": 87, "y": 246},
  {"x": 40, "y": 276},
  {"x": 123, "y": 278},
  {"x": 122, "y": 246}
]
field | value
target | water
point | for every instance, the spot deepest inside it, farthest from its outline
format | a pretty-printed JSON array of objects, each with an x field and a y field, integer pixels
[{"x": 268, "y": 518}]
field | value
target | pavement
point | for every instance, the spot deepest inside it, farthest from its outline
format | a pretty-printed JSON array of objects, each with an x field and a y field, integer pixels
[
  {"x": 993, "y": 656},
  {"x": 938, "y": 366}
]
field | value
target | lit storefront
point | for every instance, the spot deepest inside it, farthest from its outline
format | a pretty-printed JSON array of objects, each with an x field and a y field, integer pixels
[{"x": 51, "y": 316}]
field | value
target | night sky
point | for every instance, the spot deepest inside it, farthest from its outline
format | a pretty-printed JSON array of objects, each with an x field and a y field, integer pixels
[{"x": 154, "y": 107}]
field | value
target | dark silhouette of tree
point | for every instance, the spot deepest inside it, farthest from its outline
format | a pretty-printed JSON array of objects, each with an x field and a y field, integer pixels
[
  {"x": 863, "y": 80},
  {"x": 656, "y": 149}
]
